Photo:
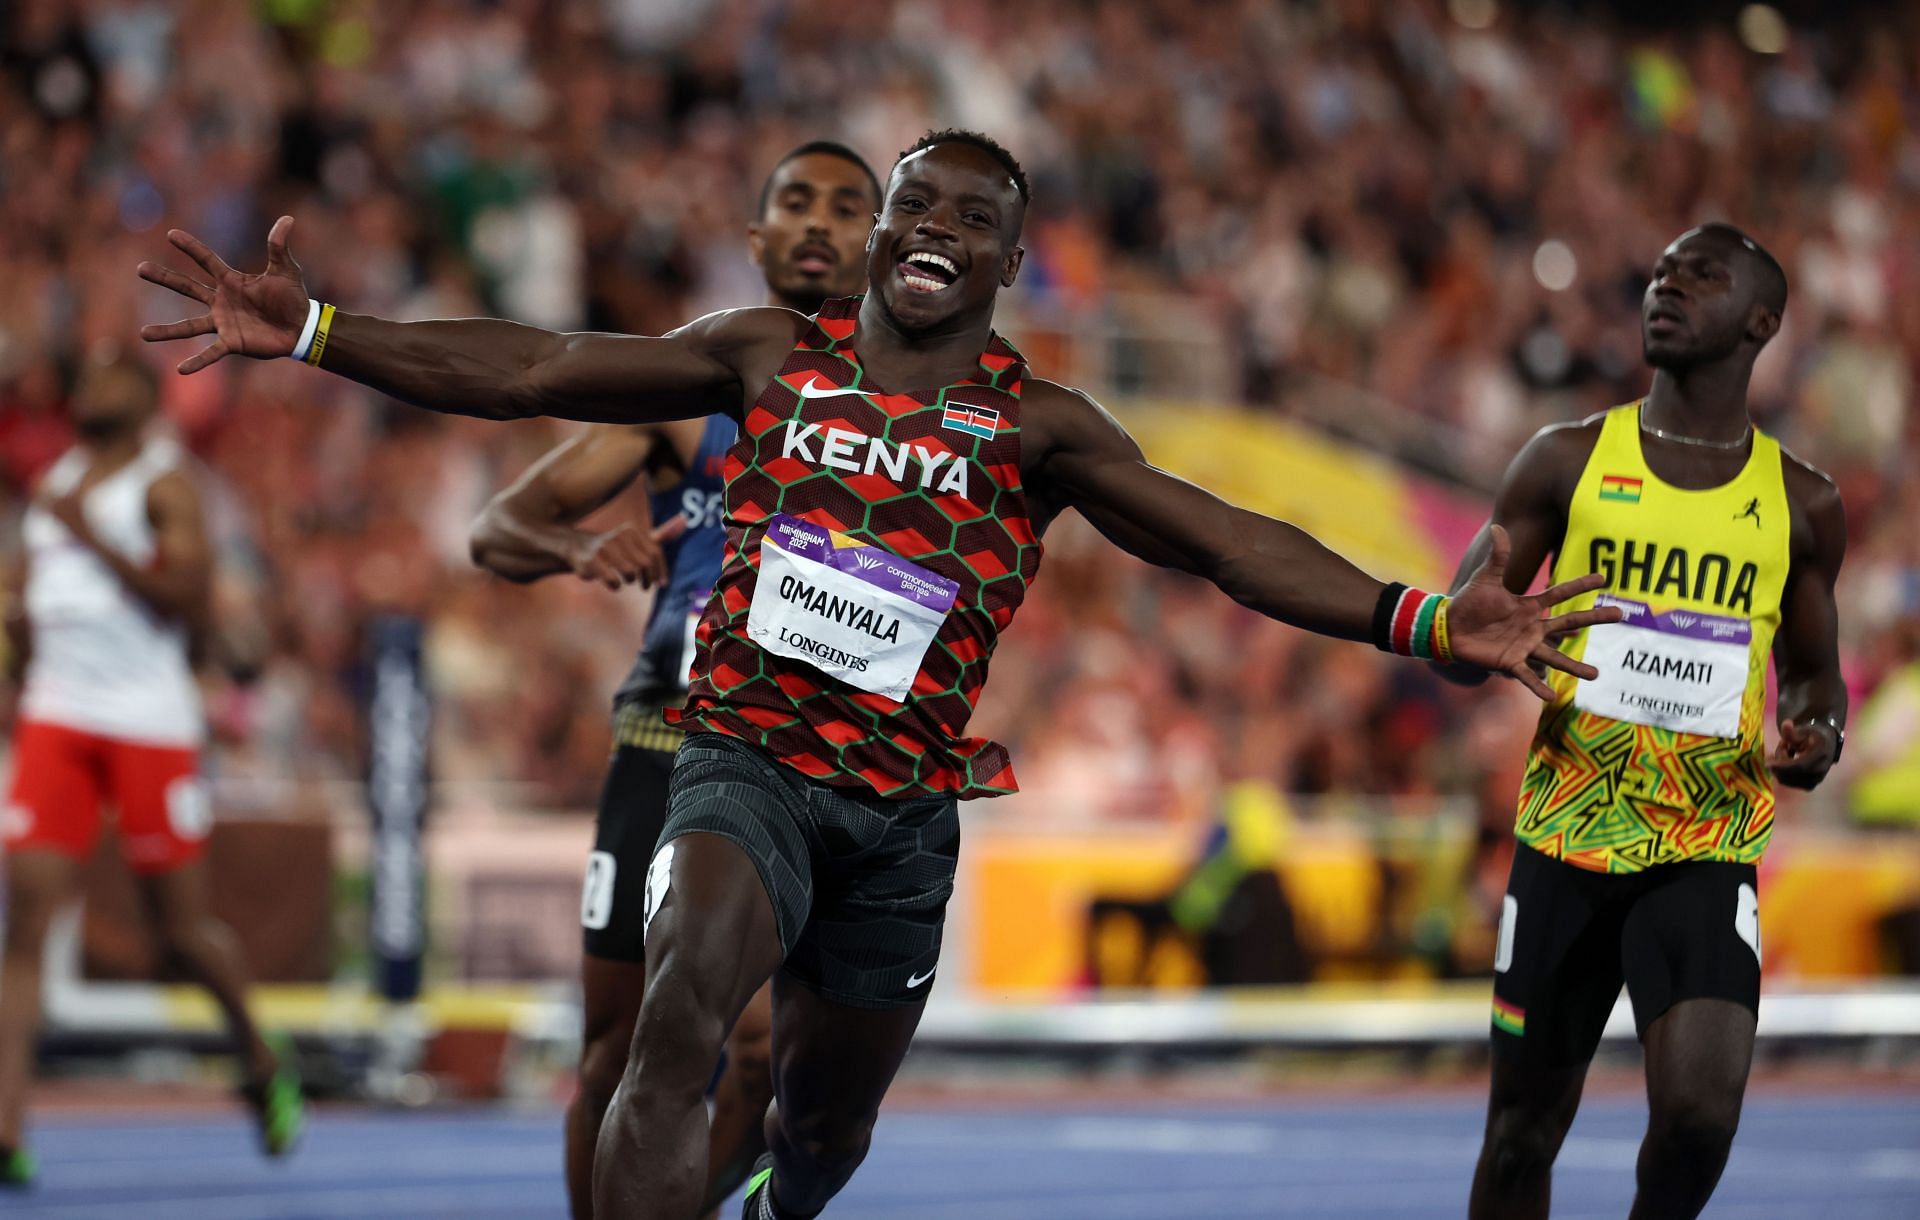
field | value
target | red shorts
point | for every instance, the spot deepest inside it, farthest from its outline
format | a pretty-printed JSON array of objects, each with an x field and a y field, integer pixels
[{"x": 61, "y": 776}]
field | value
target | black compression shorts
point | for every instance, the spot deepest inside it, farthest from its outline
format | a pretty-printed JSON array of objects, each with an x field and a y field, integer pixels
[
  {"x": 1569, "y": 937},
  {"x": 859, "y": 882}
]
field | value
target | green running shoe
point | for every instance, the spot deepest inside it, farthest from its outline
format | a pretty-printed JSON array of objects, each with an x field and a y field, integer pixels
[
  {"x": 17, "y": 1169},
  {"x": 278, "y": 1103}
]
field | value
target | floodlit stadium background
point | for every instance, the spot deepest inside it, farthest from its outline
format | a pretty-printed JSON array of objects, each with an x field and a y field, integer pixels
[{"x": 1335, "y": 260}]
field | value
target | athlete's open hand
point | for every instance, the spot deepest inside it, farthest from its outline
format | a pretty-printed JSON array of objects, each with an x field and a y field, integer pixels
[
  {"x": 625, "y": 555},
  {"x": 1805, "y": 754},
  {"x": 250, "y": 315},
  {"x": 1501, "y": 633}
]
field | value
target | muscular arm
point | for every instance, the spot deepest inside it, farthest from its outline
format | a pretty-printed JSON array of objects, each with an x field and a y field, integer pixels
[
  {"x": 503, "y": 370},
  {"x": 479, "y": 366},
  {"x": 1078, "y": 456},
  {"x": 528, "y": 531},
  {"x": 1089, "y": 462},
  {"x": 1806, "y": 650},
  {"x": 176, "y": 582}
]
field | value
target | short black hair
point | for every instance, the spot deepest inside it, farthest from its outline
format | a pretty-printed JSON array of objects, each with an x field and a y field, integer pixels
[
  {"x": 985, "y": 143},
  {"x": 1773, "y": 278},
  {"x": 831, "y": 148}
]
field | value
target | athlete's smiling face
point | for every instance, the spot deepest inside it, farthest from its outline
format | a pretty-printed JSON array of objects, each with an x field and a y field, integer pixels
[
  {"x": 813, "y": 229},
  {"x": 1704, "y": 301},
  {"x": 948, "y": 238}
]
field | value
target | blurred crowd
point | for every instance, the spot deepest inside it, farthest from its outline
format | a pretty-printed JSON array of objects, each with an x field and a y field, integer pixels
[{"x": 1451, "y": 207}]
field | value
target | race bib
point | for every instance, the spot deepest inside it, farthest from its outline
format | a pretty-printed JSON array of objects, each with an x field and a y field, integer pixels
[
  {"x": 858, "y": 613},
  {"x": 1676, "y": 669}
]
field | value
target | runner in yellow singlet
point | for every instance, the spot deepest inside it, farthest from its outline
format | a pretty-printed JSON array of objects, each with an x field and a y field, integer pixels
[{"x": 1648, "y": 795}]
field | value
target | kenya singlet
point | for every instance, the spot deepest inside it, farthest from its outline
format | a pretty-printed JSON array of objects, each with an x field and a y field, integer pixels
[
  {"x": 877, "y": 546},
  {"x": 1662, "y": 758}
]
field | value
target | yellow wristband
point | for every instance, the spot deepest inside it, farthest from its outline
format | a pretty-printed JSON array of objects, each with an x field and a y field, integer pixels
[
  {"x": 319, "y": 344},
  {"x": 1442, "y": 639}
]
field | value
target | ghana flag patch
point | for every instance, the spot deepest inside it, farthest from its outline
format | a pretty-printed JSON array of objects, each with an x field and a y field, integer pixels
[
  {"x": 1510, "y": 1017},
  {"x": 1620, "y": 487}
]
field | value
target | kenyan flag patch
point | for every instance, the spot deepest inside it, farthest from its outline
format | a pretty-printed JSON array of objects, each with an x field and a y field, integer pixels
[{"x": 982, "y": 422}]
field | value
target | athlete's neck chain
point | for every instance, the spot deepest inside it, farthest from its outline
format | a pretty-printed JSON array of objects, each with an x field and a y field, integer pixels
[{"x": 1678, "y": 439}]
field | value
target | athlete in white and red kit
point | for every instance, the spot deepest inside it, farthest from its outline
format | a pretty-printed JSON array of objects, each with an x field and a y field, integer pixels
[{"x": 117, "y": 569}]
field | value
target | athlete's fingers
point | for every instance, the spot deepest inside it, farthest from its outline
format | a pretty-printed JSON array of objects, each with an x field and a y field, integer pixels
[
  {"x": 1526, "y": 677},
  {"x": 1567, "y": 590},
  {"x": 199, "y": 252},
  {"x": 598, "y": 572},
  {"x": 185, "y": 328},
  {"x": 1578, "y": 620},
  {"x": 1553, "y": 658},
  {"x": 279, "y": 256},
  {"x": 671, "y": 528},
  {"x": 167, "y": 277},
  {"x": 210, "y": 354}
]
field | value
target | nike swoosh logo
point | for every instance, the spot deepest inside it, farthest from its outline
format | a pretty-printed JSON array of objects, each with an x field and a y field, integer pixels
[
  {"x": 918, "y": 979},
  {"x": 813, "y": 389}
]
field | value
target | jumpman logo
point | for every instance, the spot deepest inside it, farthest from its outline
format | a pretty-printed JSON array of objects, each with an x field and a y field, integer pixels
[{"x": 1752, "y": 510}]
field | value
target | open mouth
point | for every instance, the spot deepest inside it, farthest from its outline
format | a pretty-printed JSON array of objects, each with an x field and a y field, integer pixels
[{"x": 925, "y": 271}]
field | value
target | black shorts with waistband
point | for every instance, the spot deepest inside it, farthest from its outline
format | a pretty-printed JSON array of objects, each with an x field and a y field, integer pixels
[
  {"x": 859, "y": 882},
  {"x": 1570, "y": 936}
]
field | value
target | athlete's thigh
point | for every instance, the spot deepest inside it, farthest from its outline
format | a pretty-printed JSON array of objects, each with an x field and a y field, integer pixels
[
  {"x": 725, "y": 789},
  {"x": 1698, "y": 1055},
  {"x": 881, "y": 906},
  {"x": 165, "y": 812},
  {"x": 626, "y": 832},
  {"x": 832, "y": 1062},
  {"x": 53, "y": 800},
  {"x": 1693, "y": 935},
  {"x": 1557, "y": 964}
]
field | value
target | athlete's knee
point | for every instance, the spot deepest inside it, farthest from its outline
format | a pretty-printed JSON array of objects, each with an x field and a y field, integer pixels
[
  {"x": 603, "y": 1060},
  {"x": 29, "y": 919},
  {"x": 1520, "y": 1147},
  {"x": 1694, "y": 1129},
  {"x": 829, "y": 1140},
  {"x": 195, "y": 939},
  {"x": 680, "y": 1031},
  {"x": 750, "y": 1057}
]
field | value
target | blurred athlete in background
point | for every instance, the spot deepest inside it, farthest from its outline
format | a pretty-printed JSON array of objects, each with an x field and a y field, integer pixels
[{"x": 115, "y": 586}]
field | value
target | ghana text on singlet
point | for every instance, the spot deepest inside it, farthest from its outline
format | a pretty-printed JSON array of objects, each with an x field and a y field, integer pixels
[
  {"x": 1663, "y": 758},
  {"x": 877, "y": 546}
]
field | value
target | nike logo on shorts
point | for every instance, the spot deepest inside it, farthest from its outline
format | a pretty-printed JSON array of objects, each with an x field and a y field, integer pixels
[
  {"x": 813, "y": 389},
  {"x": 918, "y": 979}
]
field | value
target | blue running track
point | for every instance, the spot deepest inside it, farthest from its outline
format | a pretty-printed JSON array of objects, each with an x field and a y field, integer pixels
[{"x": 1811, "y": 1156}]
